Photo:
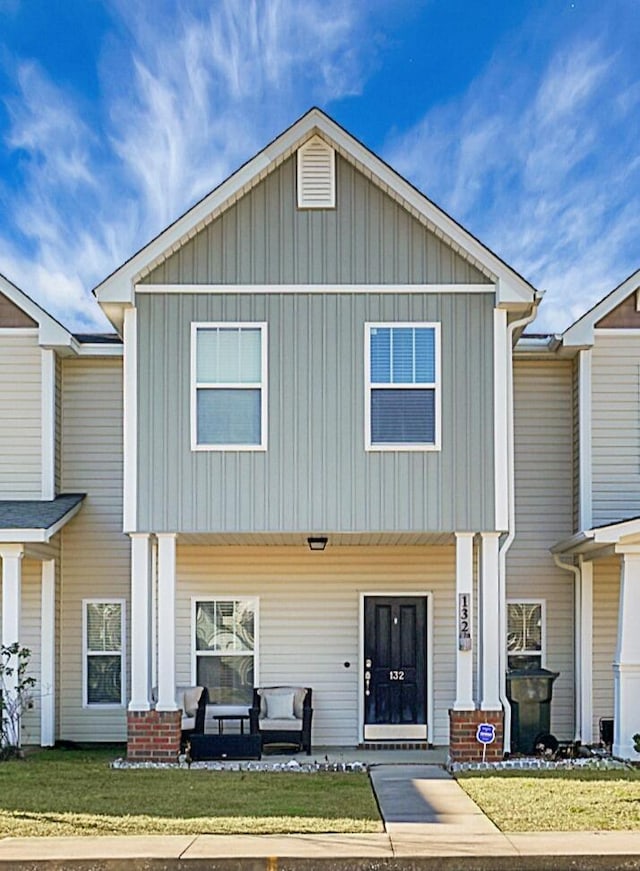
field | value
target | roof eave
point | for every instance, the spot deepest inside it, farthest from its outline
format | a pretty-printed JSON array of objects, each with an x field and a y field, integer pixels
[{"x": 118, "y": 290}]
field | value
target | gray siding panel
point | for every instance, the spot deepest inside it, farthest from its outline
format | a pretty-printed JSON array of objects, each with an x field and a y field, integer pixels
[
  {"x": 368, "y": 238},
  {"x": 543, "y": 428},
  {"x": 316, "y": 474}
]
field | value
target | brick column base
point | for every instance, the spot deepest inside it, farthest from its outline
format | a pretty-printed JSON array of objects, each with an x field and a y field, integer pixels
[
  {"x": 153, "y": 736},
  {"x": 463, "y": 745}
]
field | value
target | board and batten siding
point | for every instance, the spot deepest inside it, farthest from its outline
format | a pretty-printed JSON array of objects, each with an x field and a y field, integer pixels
[
  {"x": 95, "y": 553},
  {"x": 21, "y": 414},
  {"x": 606, "y": 597},
  {"x": 263, "y": 238},
  {"x": 543, "y": 430},
  {"x": 316, "y": 474},
  {"x": 616, "y": 427},
  {"x": 309, "y": 618}
]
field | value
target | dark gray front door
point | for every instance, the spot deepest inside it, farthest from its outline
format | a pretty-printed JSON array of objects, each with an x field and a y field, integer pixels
[{"x": 395, "y": 667}]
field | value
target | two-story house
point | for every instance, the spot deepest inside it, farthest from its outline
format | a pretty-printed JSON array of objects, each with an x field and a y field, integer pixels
[{"x": 313, "y": 457}]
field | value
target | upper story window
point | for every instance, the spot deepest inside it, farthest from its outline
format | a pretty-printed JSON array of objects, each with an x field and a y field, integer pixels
[
  {"x": 525, "y": 634},
  {"x": 228, "y": 386},
  {"x": 402, "y": 386}
]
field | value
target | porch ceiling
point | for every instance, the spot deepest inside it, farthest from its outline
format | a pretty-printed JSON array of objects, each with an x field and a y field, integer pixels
[{"x": 299, "y": 539}]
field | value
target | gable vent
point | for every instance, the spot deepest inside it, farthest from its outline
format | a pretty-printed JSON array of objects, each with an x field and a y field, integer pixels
[{"x": 316, "y": 175}]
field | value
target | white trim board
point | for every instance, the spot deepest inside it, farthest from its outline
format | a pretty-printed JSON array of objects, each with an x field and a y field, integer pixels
[{"x": 218, "y": 289}]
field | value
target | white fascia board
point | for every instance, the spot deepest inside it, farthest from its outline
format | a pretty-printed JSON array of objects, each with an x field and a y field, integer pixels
[
  {"x": 97, "y": 349},
  {"x": 581, "y": 333},
  {"x": 311, "y": 288},
  {"x": 119, "y": 287}
]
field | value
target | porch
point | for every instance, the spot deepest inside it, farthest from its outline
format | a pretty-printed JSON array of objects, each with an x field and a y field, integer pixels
[
  {"x": 208, "y": 610},
  {"x": 606, "y": 564}
]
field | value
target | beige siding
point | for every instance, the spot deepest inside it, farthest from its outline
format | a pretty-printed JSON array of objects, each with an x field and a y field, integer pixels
[
  {"x": 576, "y": 445},
  {"x": 606, "y": 590},
  {"x": 58, "y": 429},
  {"x": 616, "y": 428},
  {"x": 20, "y": 412},
  {"x": 95, "y": 553},
  {"x": 309, "y": 618},
  {"x": 544, "y": 515},
  {"x": 30, "y": 637}
]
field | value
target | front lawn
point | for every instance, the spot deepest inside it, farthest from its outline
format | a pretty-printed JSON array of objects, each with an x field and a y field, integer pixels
[
  {"x": 74, "y": 792},
  {"x": 563, "y": 801}
]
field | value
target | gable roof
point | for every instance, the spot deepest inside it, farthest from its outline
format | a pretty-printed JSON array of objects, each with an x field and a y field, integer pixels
[
  {"x": 580, "y": 333},
  {"x": 51, "y": 333},
  {"x": 118, "y": 288},
  {"x": 22, "y": 520}
]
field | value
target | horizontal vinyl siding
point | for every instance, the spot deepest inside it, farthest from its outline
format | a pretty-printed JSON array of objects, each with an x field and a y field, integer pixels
[
  {"x": 606, "y": 594},
  {"x": 316, "y": 474},
  {"x": 21, "y": 415},
  {"x": 95, "y": 553},
  {"x": 616, "y": 428},
  {"x": 309, "y": 618},
  {"x": 544, "y": 515},
  {"x": 265, "y": 239}
]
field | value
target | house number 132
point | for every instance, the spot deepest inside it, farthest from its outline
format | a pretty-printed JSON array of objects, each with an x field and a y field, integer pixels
[{"x": 396, "y": 675}]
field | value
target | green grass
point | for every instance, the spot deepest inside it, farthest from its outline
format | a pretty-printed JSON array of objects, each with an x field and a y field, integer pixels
[
  {"x": 562, "y": 801},
  {"x": 74, "y": 792}
]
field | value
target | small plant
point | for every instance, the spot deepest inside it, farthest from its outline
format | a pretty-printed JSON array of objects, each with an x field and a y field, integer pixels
[
  {"x": 636, "y": 742},
  {"x": 15, "y": 694}
]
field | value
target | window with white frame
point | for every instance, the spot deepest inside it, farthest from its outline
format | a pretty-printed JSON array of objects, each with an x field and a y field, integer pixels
[
  {"x": 229, "y": 386},
  {"x": 225, "y": 633},
  {"x": 103, "y": 639},
  {"x": 402, "y": 391},
  {"x": 525, "y": 634}
]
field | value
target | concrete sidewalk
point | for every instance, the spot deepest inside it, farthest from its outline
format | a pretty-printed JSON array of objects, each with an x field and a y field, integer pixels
[{"x": 430, "y": 824}]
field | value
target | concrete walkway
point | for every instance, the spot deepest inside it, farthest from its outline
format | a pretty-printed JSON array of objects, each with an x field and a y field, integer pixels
[{"x": 430, "y": 823}]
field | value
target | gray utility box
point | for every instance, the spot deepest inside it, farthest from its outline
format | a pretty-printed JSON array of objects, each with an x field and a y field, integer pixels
[{"x": 529, "y": 692}]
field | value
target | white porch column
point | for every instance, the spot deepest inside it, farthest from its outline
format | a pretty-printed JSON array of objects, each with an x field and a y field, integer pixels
[
  {"x": 11, "y": 594},
  {"x": 490, "y": 622},
  {"x": 48, "y": 655},
  {"x": 626, "y": 668},
  {"x": 584, "y": 658},
  {"x": 464, "y": 601},
  {"x": 166, "y": 622},
  {"x": 140, "y": 621}
]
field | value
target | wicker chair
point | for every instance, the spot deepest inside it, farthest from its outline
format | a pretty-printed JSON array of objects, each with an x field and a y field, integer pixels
[{"x": 282, "y": 715}]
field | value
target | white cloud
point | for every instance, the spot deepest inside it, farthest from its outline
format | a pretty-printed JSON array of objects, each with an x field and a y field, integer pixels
[
  {"x": 541, "y": 173},
  {"x": 188, "y": 93}
]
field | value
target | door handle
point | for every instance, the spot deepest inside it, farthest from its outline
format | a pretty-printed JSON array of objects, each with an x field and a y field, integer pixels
[{"x": 367, "y": 681}]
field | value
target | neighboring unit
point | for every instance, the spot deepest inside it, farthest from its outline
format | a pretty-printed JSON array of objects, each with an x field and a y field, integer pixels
[{"x": 315, "y": 350}]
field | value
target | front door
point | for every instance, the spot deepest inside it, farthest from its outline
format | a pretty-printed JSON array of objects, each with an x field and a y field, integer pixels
[{"x": 395, "y": 668}]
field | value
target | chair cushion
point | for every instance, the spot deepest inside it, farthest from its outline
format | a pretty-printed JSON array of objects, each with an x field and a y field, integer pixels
[
  {"x": 299, "y": 694},
  {"x": 280, "y": 706},
  {"x": 188, "y": 723},
  {"x": 187, "y": 698},
  {"x": 285, "y": 725}
]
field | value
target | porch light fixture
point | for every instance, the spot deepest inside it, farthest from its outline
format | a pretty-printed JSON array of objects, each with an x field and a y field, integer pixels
[{"x": 317, "y": 542}]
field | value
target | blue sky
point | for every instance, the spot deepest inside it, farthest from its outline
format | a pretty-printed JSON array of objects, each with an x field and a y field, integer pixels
[{"x": 521, "y": 119}]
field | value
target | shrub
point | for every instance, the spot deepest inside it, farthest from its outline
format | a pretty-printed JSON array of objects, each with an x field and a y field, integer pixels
[{"x": 15, "y": 694}]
